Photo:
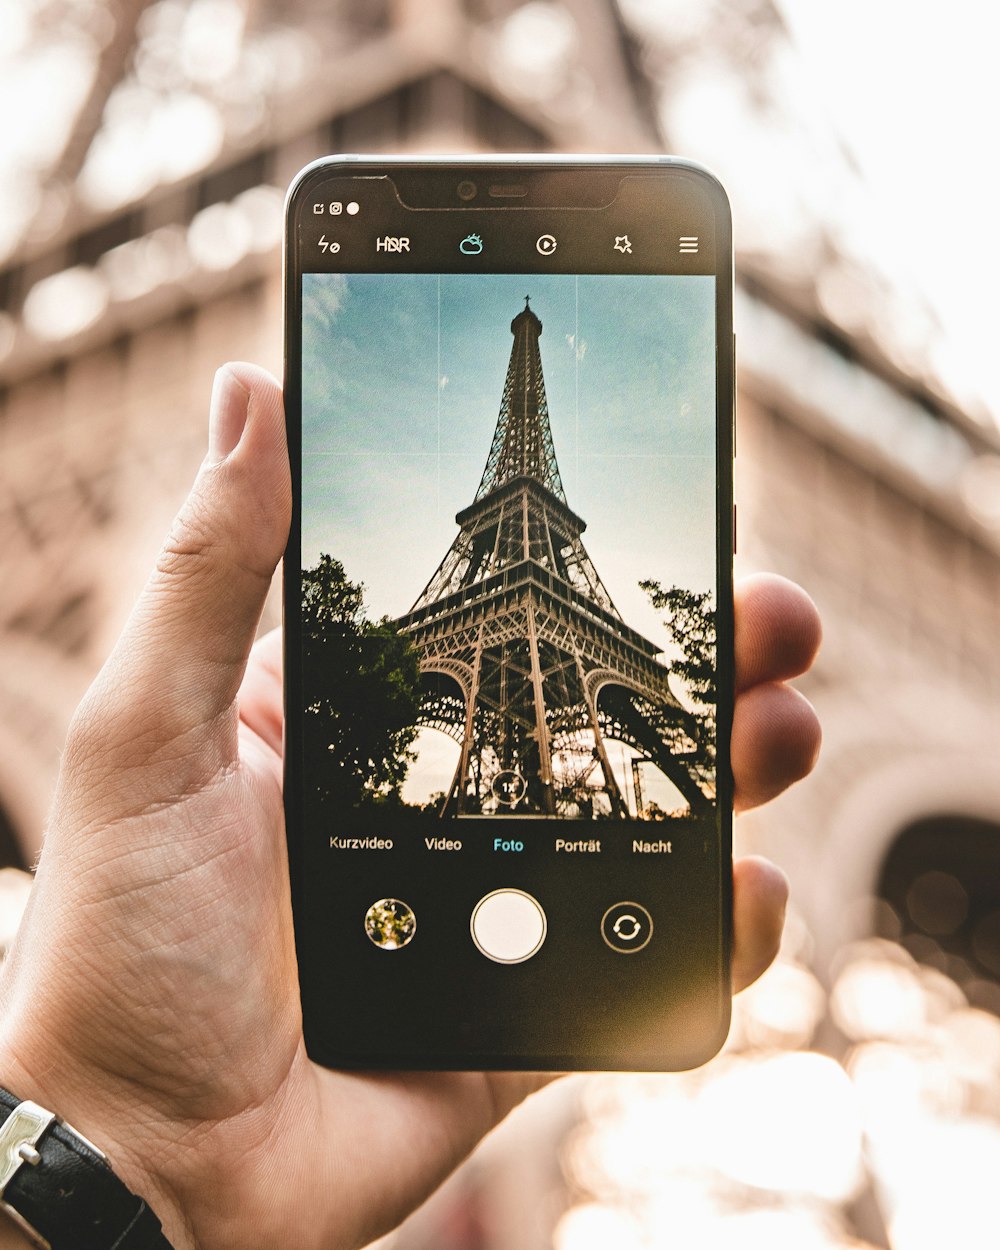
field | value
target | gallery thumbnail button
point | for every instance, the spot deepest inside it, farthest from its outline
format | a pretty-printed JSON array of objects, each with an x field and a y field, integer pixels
[
  {"x": 627, "y": 927},
  {"x": 508, "y": 926},
  {"x": 390, "y": 924}
]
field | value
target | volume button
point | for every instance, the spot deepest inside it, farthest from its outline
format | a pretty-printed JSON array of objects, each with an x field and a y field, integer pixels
[{"x": 734, "y": 401}]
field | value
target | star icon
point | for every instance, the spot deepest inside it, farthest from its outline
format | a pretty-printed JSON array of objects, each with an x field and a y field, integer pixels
[{"x": 622, "y": 243}]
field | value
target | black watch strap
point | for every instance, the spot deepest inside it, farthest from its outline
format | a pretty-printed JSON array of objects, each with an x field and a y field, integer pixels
[{"x": 60, "y": 1188}]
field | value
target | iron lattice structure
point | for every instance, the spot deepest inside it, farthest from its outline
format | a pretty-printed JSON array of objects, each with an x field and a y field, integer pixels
[{"x": 526, "y": 662}]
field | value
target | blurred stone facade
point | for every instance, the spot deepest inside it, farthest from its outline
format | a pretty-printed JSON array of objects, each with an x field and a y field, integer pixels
[{"x": 841, "y": 469}]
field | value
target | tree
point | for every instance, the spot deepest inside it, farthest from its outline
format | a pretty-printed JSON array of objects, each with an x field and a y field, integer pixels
[
  {"x": 361, "y": 680},
  {"x": 690, "y": 619}
]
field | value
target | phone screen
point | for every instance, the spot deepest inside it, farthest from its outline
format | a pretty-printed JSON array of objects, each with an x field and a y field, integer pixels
[{"x": 508, "y": 615}]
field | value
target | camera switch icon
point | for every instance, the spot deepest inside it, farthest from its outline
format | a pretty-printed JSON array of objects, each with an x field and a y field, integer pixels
[{"x": 627, "y": 927}]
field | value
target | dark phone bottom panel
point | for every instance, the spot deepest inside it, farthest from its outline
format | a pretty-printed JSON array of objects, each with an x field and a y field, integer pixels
[{"x": 627, "y": 923}]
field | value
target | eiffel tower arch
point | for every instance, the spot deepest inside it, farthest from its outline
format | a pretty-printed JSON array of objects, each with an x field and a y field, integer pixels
[{"x": 526, "y": 662}]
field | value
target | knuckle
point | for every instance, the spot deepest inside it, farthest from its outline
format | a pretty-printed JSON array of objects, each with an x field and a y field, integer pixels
[
  {"x": 89, "y": 733},
  {"x": 191, "y": 544}
]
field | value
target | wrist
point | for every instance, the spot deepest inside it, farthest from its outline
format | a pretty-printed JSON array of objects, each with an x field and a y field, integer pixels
[{"x": 102, "y": 1123}]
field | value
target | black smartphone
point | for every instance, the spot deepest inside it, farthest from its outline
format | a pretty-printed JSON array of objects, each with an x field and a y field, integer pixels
[{"x": 508, "y": 611}]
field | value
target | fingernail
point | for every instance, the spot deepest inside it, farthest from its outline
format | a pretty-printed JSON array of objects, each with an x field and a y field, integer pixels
[{"x": 227, "y": 414}]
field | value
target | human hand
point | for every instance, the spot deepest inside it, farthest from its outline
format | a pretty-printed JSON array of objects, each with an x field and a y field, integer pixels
[{"x": 151, "y": 996}]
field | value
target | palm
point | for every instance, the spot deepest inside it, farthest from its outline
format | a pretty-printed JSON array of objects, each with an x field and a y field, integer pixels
[
  {"x": 220, "y": 1045},
  {"x": 199, "y": 1048},
  {"x": 360, "y": 1118}
]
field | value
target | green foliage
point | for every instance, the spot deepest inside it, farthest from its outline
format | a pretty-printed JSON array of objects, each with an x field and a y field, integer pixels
[
  {"x": 690, "y": 619},
  {"x": 362, "y": 687}
]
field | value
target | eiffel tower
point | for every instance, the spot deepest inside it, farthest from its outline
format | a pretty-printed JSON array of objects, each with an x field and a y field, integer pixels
[{"x": 525, "y": 661}]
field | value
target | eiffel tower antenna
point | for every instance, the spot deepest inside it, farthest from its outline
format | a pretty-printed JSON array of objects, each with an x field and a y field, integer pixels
[
  {"x": 522, "y": 443},
  {"x": 525, "y": 661}
]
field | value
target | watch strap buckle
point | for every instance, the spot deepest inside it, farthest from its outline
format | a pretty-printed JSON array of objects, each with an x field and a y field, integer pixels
[{"x": 20, "y": 1134}]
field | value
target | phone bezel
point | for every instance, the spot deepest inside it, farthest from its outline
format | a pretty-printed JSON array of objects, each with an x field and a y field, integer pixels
[{"x": 451, "y": 170}]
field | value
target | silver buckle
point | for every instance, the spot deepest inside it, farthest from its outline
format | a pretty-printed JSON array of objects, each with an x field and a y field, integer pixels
[{"x": 20, "y": 1134}]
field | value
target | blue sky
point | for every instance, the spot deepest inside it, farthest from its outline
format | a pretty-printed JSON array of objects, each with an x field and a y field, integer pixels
[{"x": 402, "y": 381}]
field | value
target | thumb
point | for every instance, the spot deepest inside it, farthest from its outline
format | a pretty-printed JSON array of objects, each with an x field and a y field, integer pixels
[{"x": 169, "y": 687}]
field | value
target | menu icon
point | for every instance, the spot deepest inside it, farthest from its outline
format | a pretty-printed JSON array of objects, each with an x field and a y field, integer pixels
[{"x": 688, "y": 244}]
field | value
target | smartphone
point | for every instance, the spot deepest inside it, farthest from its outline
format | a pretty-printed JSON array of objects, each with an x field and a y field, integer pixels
[{"x": 508, "y": 611}]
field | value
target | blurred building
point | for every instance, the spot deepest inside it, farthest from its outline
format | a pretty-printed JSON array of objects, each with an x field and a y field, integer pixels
[{"x": 140, "y": 248}]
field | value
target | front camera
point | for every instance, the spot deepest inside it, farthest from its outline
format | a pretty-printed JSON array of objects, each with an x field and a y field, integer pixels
[{"x": 466, "y": 190}]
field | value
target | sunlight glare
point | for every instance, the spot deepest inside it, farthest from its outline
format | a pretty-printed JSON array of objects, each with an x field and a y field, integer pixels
[
  {"x": 42, "y": 89},
  {"x": 940, "y": 1186},
  {"x": 135, "y": 268},
  {"x": 786, "y": 1122},
  {"x": 538, "y": 41},
  {"x": 66, "y": 303},
  {"x": 898, "y": 1087},
  {"x": 155, "y": 140},
  {"x": 211, "y": 39},
  {"x": 219, "y": 236},
  {"x": 782, "y": 1008},
  {"x": 873, "y": 998},
  {"x": 596, "y": 1227}
]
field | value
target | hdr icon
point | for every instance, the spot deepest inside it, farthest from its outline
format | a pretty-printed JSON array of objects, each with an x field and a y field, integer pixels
[{"x": 391, "y": 244}]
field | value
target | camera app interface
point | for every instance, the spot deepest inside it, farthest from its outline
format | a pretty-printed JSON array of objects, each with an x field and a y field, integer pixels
[{"x": 508, "y": 654}]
